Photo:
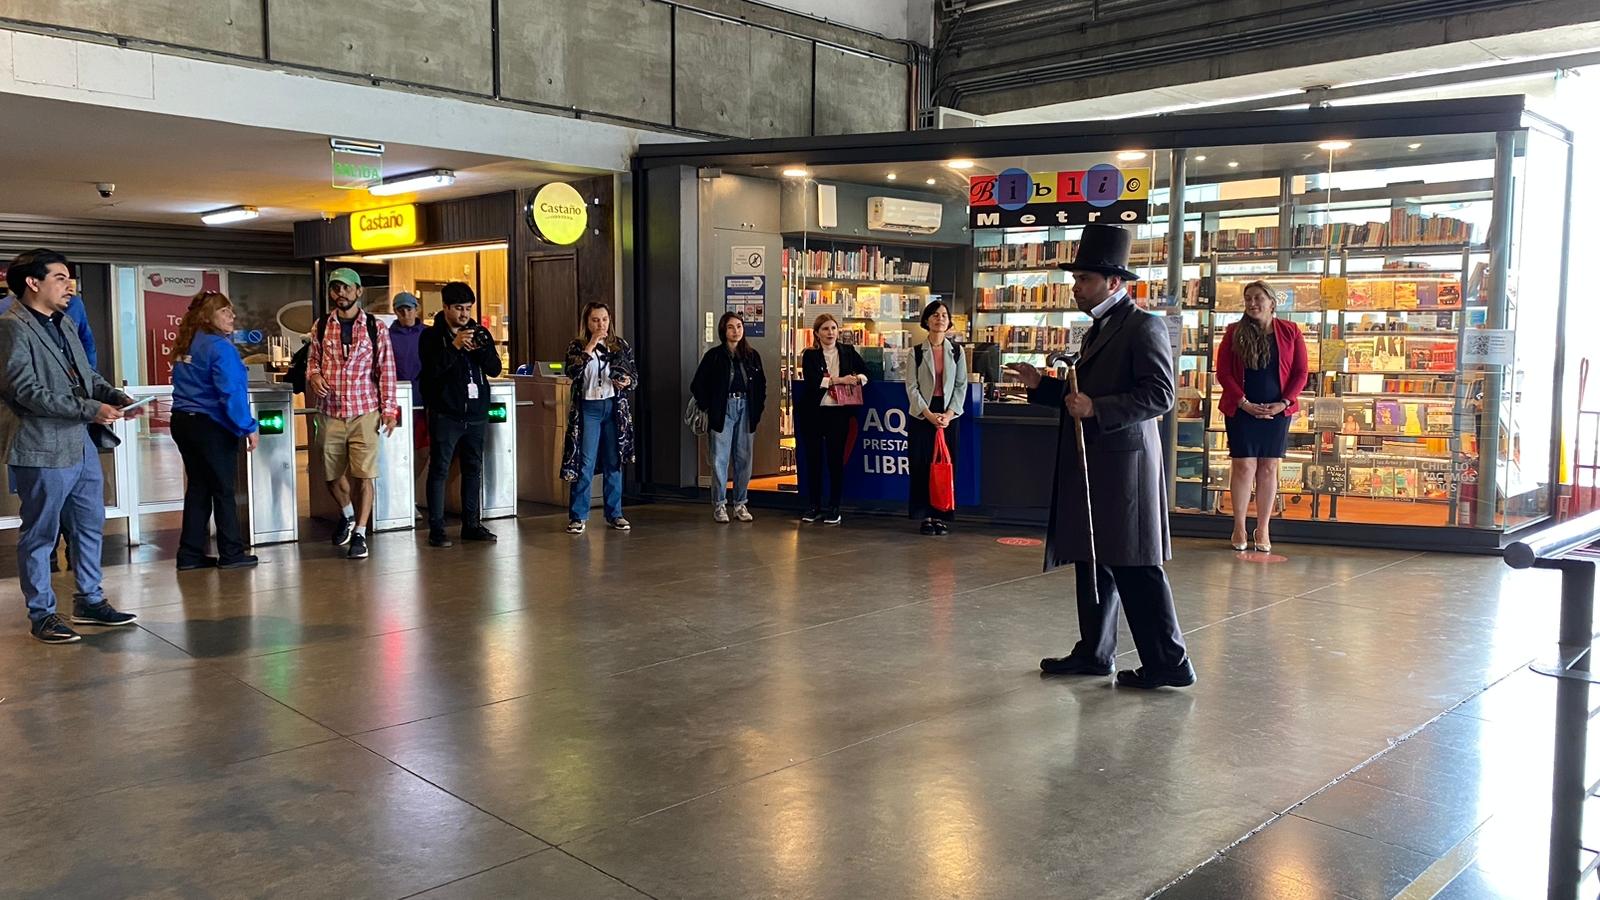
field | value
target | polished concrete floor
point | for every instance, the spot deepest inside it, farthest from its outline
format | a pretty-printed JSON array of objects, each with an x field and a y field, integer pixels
[{"x": 696, "y": 710}]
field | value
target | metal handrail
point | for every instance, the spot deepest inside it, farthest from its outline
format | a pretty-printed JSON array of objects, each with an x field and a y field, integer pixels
[
  {"x": 1558, "y": 548},
  {"x": 1553, "y": 544}
]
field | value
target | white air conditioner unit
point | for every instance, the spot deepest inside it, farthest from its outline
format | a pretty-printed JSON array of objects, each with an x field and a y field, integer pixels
[{"x": 907, "y": 216}]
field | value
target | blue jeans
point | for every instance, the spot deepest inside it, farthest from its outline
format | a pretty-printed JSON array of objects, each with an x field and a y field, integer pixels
[
  {"x": 74, "y": 496},
  {"x": 731, "y": 445},
  {"x": 599, "y": 442}
]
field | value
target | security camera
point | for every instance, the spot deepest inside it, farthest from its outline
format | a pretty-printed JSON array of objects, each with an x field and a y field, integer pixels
[{"x": 106, "y": 189}]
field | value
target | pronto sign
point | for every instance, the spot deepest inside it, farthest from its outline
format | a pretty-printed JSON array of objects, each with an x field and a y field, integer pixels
[
  {"x": 558, "y": 214},
  {"x": 378, "y": 229}
]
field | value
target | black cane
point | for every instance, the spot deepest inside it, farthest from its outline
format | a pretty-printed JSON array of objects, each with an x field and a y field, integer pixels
[{"x": 1083, "y": 469}]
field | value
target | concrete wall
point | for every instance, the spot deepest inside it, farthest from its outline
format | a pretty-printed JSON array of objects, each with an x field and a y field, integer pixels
[
  {"x": 719, "y": 67},
  {"x": 897, "y": 19}
]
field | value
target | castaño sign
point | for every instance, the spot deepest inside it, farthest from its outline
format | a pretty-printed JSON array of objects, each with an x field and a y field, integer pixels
[
  {"x": 558, "y": 214},
  {"x": 380, "y": 229}
]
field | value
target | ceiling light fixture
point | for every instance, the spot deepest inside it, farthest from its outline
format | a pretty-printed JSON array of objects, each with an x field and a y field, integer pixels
[
  {"x": 933, "y": 181},
  {"x": 1331, "y": 146},
  {"x": 891, "y": 176},
  {"x": 795, "y": 172},
  {"x": 1131, "y": 155},
  {"x": 1233, "y": 164},
  {"x": 415, "y": 181},
  {"x": 1200, "y": 158},
  {"x": 230, "y": 215},
  {"x": 959, "y": 163},
  {"x": 1413, "y": 146}
]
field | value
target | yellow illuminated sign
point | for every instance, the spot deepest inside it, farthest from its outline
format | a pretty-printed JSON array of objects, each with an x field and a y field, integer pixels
[
  {"x": 558, "y": 213},
  {"x": 378, "y": 229}
]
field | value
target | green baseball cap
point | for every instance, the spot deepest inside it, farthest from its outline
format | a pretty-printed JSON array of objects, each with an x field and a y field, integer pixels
[{"x": 348, "y": 276}]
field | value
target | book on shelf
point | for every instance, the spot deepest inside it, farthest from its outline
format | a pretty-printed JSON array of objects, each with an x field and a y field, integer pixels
[
  {"x": 866, "y": 263},
  {"x": 1403, "y": 229},
  {"x": 1435, "y": 482},
  {"x": 1387, "y": 417},
  {"x": 1357, "y": 416},
  {"x": 1361, "y": 480},
  {"x": 1290, "y": 476}
]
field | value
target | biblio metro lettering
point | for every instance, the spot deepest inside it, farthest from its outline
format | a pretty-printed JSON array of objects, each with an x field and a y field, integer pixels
[{"x": 1102, "y": 193}]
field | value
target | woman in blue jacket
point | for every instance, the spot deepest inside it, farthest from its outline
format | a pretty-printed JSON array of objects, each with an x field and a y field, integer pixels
[{"x": 210, "y": 417}]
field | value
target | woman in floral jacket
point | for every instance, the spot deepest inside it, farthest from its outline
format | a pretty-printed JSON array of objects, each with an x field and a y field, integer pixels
[{"x": 600, "y": 422}]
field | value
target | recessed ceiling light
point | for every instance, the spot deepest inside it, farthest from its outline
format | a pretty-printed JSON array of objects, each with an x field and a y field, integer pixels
[
  {"x": 1334, "y": 145},
  {"x": 933, "y": 181},
  {"x": 1233, "y": 164},
  {"x": 1200, "y": 158},
  {"x": 1131, "y": 155},
  {"x": 795, "y": 172},
  {"x": 1413, "y": 146},
  {"x": 230, "y": 215},
  {"x": 891, "y": 176},
  {"x": 416, "y": 181},
  {"x": 959, "y": 163}
]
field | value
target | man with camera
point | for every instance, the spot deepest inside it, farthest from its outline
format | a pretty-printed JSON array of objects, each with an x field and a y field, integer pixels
[{"x": 458, "y": 359}]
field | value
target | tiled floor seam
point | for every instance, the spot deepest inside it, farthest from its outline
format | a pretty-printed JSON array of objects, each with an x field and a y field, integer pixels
[{"x": 458, "y": 880}]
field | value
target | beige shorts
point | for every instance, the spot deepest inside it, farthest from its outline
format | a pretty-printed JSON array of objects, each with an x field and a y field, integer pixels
[{"x": 350, "y": 444}]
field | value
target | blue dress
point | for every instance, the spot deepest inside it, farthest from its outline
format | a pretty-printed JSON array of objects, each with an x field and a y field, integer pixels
[{"x": 1253, "y": 438}]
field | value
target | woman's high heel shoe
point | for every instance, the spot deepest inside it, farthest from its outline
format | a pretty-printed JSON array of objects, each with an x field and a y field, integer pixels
[
  {"x": 1238, "y": 546},
  {"x": 1257, "y": 545}
]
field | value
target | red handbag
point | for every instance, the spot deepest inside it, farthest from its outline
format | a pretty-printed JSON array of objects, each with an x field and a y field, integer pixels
[
  {"x": 941, "y": 476},
  {"x": 846, "y": 394}
]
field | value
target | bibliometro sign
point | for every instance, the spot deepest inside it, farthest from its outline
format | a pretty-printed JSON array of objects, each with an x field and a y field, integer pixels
[
  {"x": 558, "y": 214},
  {"x": 1103, "y": 193},
  {"x": 380, "y": 229}
]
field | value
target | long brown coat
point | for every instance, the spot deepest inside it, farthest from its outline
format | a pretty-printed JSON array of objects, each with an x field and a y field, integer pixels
[{"x": 1127, "y": 372}]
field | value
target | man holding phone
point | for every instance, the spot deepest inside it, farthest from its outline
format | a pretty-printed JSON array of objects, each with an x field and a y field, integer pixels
[
  {"x": 458, "y": 359},
  {"x": 52, "y": 398}
]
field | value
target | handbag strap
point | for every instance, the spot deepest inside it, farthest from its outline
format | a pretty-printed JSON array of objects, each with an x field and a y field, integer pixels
[{"x": 941, "y": 450}]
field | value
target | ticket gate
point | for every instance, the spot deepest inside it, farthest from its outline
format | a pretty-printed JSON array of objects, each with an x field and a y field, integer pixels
[
  {"x": 499, "y": 500},
  {"x": 394, "y": 502},
  {"x": 268, "y": 502}
]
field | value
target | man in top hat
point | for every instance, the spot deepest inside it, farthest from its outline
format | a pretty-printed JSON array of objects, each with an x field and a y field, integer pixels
[{"x": 1125, "y": 385}]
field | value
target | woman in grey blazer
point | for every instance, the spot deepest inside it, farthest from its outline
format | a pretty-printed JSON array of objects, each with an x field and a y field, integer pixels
[{"x": 937, "y": 394}]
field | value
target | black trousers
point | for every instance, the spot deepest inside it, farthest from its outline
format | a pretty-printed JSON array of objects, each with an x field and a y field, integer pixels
[
  {"x": 1144, "y": 592},
  {"x": 827, "y": 441},
  {"x": 450, "y": 438},
  {"x": 211, "y": 467},
  {"x": 919, "y": 440}
]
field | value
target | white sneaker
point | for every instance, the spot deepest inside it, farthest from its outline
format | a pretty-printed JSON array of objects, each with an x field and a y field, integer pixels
[
  {"x": 619, "y": 523},
  {"x": 720, "y": 514},
  {"x": 742, "y": 513},
  {"x": 574, "y": 527}
]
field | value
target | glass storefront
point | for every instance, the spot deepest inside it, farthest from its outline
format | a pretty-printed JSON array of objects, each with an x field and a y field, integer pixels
[{"x": 1422, "y": 265}]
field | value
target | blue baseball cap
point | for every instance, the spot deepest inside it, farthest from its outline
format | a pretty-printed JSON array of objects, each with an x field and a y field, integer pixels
[{"x": 404, "y": 299}]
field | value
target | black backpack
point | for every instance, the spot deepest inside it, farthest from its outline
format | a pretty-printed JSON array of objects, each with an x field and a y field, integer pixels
[{"x": 297, "y": 363}]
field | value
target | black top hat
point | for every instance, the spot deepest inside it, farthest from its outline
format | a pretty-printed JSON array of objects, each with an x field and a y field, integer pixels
[{"x": 1103, "y": 249}]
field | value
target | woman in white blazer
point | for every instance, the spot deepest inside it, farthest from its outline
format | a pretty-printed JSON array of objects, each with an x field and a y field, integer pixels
[{"x": 937, "y": 394}]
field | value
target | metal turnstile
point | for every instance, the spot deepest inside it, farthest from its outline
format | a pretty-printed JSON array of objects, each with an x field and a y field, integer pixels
[
  {"x": 499, "y": 495},
  {"x": 394, "y": 502},
  {"x": 268, "y": 504}
]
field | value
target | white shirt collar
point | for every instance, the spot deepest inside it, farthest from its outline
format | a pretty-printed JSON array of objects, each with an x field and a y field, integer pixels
[{"x": 1099, "y": 312}]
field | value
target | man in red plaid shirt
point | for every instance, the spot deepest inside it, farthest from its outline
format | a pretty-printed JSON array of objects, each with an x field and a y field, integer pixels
[{"x": 350, "y": 374}]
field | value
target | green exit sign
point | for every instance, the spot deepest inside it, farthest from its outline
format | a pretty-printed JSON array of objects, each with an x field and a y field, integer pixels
[
  {"x": 270, "y": 421},
  {"x": 497, "y": 411}
]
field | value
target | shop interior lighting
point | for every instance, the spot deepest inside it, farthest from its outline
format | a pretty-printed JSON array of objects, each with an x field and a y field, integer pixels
[
  {"x": 416, "y": 181},
  {"x": 933, "y": 181},
  {"x": 891, "y": 176},
  {"x": 430, "y": 251},
  {"x": 1413, "y": 146},
  {"x": 1331, "y": 146},
  {"x": 1131, "y": 155},
  {"x": 230, "y": 215},
  {"x": 959, "y": 163},
  {"x": 1233, "y": 164},
  {"x": 795, "y": 172},
  {"x": 1200, "y": 158}
]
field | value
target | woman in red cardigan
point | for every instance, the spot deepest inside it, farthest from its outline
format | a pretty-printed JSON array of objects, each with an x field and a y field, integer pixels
[{"x": 1261, "y": 367}]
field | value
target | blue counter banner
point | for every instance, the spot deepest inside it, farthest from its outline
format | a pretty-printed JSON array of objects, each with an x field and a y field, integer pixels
[{"x": 878, "y": 464}]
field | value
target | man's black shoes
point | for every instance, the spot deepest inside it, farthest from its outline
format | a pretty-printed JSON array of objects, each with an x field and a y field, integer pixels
[
  {"x": 343, "y": 533},
  {"x": 100, "y": 614},
  {"x": 52, "y": 629},
  {"x": 1073, "y": 665},
  {"x": 438, "y": 539},
  {"x": 204, "y": 562},
  {"x": 248, "y": 561},
  {"x": 478, "y": 533},
  {"x": 1150, "y": 677}
]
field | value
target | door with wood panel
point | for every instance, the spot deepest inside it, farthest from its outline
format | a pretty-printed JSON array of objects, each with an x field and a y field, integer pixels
[{"x": 552, "y": 297}]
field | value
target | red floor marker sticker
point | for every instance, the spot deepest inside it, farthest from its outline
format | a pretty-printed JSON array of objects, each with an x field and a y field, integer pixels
[
  {"x": 1020, "y": 542},
  {"x": 1255, "y": 556}
]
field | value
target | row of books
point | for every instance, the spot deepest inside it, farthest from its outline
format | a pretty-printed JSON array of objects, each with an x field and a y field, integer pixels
[
  {"x": 1035, "y": 338},
  {"x": 1026, "y": 298},
  {"x": 1403, "y": 229},
  {"x": 1048, "y": 254},
  {"x": 1378, "y": 383},
  {"x": 1386, "y": 354},
  {"x": 863, "y": 303},
  {"x": 1398, "y": 482},
  {"x": 1360, "y": 293},
  {"x": 866, "y": 264}
]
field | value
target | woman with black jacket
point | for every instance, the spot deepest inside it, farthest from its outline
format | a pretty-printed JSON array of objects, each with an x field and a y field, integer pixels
[
  {"x": 825, "y": 414},
  {"x": 732, "y": 389}
]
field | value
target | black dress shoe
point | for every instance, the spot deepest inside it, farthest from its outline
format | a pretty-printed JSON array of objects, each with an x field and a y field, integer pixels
[
  {"x": 1073, "y": 665},
  {"x": 478, "y": 533},
  {"x": 248, "y": 561},
  {"x": 1150, "y": 677},
  {"x": 204, "y": 562},
  {"x": 438, "y": 539}
]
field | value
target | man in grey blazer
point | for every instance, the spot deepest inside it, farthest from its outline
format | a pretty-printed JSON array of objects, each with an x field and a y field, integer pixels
[
  {"x": 49, "y": 398},
  {"x": 1125, "y": 385}
]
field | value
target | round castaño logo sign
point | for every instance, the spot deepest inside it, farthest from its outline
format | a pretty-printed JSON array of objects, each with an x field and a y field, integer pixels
[{"x": 558, "y": 214}]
